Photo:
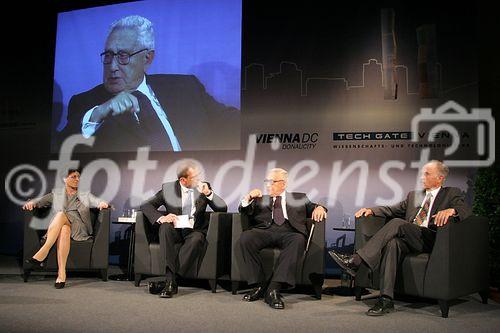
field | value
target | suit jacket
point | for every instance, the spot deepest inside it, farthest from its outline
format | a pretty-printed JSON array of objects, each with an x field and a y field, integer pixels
[
  {"x": 170, "y": 196},
  {"x": 447, "y": 197},
  {"x": 298, "y": 208},
  {"x": 198, "y": 120},
  {"x": 55, "y": 200}
]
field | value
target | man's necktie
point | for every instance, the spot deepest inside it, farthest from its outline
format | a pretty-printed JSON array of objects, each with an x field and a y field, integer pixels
[
  {"x": 152, "y": 126},
  {"x": 187, "y": 205},
  {"x": 278, "y": 216},
  {"x": 424, "y": 210}
]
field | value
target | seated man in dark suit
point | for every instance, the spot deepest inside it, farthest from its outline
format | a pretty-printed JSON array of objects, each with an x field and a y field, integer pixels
[
  {"x": 278, "y": 220},
  {"x": 131, "y": 109},
  {"x": 412, "y": 228},
  {"x": 188, "y": 197}
]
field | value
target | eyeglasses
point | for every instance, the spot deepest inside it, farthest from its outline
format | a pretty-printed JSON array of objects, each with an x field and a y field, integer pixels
[
  {"x": 272, "y": 182},
  {"x": 122, "y": 57}
]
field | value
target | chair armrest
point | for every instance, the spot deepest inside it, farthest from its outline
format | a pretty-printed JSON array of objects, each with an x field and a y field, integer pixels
[
  {"x": 459, "y": 260},
  {"x": 31, "y": 242},
  {"x": 317, "y": 235},
  {"x": 240, "y": 223},
  {"x": 314, "y": 259},
  {"x": 100, "y": 248},
  {"x": 216, "y": 261},
  {"x": 142, "y": 255},
  {"x": 366, "y": 227}
]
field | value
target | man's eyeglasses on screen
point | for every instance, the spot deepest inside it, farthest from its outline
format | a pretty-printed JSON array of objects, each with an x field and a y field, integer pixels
[{"x": 122, "y": 57}]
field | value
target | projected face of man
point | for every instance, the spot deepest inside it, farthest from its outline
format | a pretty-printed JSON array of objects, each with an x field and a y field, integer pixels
[{"x": 117, "y": 77}]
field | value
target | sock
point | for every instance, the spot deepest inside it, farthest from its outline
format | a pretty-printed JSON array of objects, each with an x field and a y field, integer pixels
[
  {"x": 169, "y": 275},
  {"x": 274, "y": 286},
  {"x": 356, "y": 259},
  {"x": 386, "y": 297}
]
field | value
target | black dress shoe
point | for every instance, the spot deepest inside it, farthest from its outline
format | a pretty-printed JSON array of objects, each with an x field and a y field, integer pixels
[
  {"x": 273, "y": 298},
  {"x": 34, "y": 264},
  {"x": 59, "y": 285},
  {"x": 169, "y": 290},
  {"x": 345, "y": 261},
  {"x": 254, "y": 294},
  {"x": 155, "y": 287},
  {"x": 382, "y": 307}
]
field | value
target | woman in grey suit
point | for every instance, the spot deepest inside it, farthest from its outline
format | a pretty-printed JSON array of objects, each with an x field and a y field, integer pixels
[{"x": 69, "y": 218}]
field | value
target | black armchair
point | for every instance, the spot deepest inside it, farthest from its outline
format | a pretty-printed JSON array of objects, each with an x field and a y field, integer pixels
[
  {"x": 214, "y": 264},
  {"x": 310, "y": 271},
  {"x": 89, "y": 255},
  {"x": 457, "y": 265}
]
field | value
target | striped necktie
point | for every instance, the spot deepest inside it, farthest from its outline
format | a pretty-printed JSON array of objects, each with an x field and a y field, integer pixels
[{"x": 424, "y": 210}]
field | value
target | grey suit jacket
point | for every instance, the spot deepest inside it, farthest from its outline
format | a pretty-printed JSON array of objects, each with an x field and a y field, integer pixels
[
  {"x": 55, "y": 200},
  {"x": 447, "y": 197}
]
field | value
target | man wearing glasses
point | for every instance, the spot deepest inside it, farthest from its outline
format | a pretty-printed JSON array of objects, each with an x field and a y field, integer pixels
[
  {"x": 277, "y": 220},
  {"x": 131, "y": 109}
]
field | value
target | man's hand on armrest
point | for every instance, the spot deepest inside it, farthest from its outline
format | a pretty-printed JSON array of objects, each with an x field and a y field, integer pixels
[
  {"x": 441, "y": 217},
  {"x": 363, "y": 212},
  {"x": 319, "y": 214}
]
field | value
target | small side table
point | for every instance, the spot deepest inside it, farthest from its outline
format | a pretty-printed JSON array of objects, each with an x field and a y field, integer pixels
[
  {"x": 344, "y": 229},
  {"x": 129, "y": 276}
]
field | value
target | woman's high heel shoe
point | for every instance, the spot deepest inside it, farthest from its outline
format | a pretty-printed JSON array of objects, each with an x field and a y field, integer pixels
[
  {"x": 34, "y": 264},
  {"x": 59, "y": 285}
]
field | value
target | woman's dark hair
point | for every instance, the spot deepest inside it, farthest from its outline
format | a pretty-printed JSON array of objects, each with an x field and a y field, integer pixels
[{"x": 70, "y": 171}]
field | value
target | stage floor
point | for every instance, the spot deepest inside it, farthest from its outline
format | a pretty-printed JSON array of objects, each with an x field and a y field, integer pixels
[{"x": 89, "y": 304}]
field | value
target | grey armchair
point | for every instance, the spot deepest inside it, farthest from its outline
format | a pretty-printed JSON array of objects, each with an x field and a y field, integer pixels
[
  {"x": 214, "y": 264},
  {"x": 89, "y": 255},
  {"x": 310, "y": 271},
  {"x": 457, "y": 265}
]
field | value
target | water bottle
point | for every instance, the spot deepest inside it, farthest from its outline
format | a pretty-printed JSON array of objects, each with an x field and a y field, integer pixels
[{"x": 345, "y": 280}]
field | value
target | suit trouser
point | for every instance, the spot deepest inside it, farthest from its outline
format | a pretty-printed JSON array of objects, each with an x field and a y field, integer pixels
[
  {"x": 183, "y": 249},
  {"x": 286, "y": 238},
  {"x": 388, "y": 247}
]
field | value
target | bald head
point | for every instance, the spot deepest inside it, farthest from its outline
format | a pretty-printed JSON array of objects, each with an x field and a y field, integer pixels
[{"x": 434, "y": 174}]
